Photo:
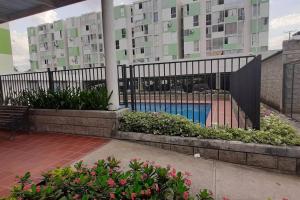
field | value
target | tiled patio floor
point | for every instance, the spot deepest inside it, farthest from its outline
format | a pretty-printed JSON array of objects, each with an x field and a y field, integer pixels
[{"x": 38, "y": 153}]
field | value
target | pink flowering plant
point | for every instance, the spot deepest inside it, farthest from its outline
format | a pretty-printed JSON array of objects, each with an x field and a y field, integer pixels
[{"x": 106, "y": 180}]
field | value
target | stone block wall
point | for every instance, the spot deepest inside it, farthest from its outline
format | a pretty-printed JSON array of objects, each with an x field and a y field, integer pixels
[
  {"x": 84, "y": 122},
  {"x": 272, "y": 82}
]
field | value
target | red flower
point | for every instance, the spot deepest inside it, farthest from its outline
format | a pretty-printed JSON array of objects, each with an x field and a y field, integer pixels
[
  {"x": 93, "y": 173},
  {"x": 188, "y": 182},
  {"x": 38, "y": 188},
  {"x": 111, "y": 182},
  {"x": 186, "y": 195},
  {"x": 133, "y": 196},
  {"x": 27, "y": 187},
  {"x": 123, "y": 182},
  {"x": 77, "y": 180},
  {"x": 156, "y": 187},
  {"x": 148, "y": 192},
  {"x": 112, "y": 195}
]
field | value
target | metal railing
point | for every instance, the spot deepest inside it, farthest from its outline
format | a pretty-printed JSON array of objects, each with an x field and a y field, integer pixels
[{"x": 219, "y": 91}]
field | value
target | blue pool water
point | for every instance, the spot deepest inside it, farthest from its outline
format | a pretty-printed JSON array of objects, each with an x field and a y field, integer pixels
[{"x": 195, "y": 112}]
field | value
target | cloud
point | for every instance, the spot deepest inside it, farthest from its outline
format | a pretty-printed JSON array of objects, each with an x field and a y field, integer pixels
[
  {"x": 286, "y": 21},
  {"x": 45, "y": 17},
  {"x": 276, "y": 41}
]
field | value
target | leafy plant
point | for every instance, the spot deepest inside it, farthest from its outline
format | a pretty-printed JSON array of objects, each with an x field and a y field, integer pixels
[
  {"x": 70, "y": 98},
  {"x": 105, "y": 180},
  {"x": 273, "y": 130}
]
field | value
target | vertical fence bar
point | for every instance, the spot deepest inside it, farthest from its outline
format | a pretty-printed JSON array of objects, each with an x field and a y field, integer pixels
[
  {"x": 1, "y": 92},
  {"x": 50, "y": 79},
  {"x": 131, "y": 87}
]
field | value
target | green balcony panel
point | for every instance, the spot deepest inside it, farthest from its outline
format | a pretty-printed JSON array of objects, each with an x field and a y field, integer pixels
[
  {"x": 118, "y": 13},
  {"x": 231, "y": 46},
  {"x": 231, "y": 19},
  {"x": 58, "y": 26},
  {"x": 31, "y": 32},
  {"x": 194, "y": 9},
  {"x": 259, "y": 1},
  {"x": 73, "y": 32},
  {"x": 121, "y": 55},
  {"x": 74, "y": 51},
  {"x": 168, "y": 3},
  {"x": 119, "y": 35},
  {"x": 61, "y": 62},
  {"x": 60, "y": 44},
  {"x": 172, "y": 50},
  {"x": 34, "y": 65},
  {"x": 33, "y": 48},
  {"x": 195, "y": 35}
]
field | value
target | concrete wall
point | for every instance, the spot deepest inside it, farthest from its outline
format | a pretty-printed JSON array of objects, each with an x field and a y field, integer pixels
[
  {"x": 84, "y": 122},
  {"x": 272, "y": 82}
]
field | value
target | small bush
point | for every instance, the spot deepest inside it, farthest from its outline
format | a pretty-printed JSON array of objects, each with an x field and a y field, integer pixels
[
  {"x": 70, "y": 98},
  {"x": 105, "y": 180},
  {"x": 273, "y": 130}
]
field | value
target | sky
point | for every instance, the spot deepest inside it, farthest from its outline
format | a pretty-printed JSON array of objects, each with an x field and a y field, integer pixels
[{"x": 284, "y": 16}]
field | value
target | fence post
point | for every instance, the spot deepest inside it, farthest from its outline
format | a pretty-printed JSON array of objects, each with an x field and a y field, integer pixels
[
  {"x": 132, "y": 88},
  {"x": 50, "y": 79},
  {"x": 125, "y": 82},
  {"x": 1, "y": 90},
  {"x": 292, "y": 95}
]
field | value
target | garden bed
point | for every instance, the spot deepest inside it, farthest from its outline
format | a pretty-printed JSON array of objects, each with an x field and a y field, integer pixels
[{"x": 273, "y": 147}]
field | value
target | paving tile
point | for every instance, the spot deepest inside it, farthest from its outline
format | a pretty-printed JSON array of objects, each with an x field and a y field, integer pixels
[{"x": 39, "y": 153}]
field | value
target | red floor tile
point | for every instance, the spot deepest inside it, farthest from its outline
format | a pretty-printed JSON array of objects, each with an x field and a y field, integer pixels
[{"x": 38, "y": 153}]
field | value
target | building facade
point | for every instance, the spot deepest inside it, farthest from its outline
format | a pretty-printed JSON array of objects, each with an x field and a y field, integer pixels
[
  {"x": 155, "y": 30},
  {"x": 6, "y": 59},
  {"x": 225, "y": 27}
]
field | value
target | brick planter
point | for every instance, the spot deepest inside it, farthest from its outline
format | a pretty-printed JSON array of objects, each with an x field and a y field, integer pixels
[
  {"x": 284, "y": 159},
  {"x": 84, "y": 122}
]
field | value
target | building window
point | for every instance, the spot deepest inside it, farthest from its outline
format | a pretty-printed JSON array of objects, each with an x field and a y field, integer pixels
[
  {"x": 188, "y": 9},
  {"x": 196, "y": 20},
  {"x": 123, "y": 33},
  {"x": 173, "y": 12},
  {"x": 218, "y": 43},
  {"x": 133, "y": 43},
  {"x": 241, "y": 13},
  {"x": 145, "y": 29},
  {"x": 146, "y": 39},
  {"x": 122, "y": 12},
  {"x": 133, "y": 52},
  {"x": 208, "y": 19},
  {"x": 255, "y": 10},
  {"x": 125, "y": 52},
  {"x": 230, "y": 28},
  {"x": 100, "y": 36},
  {"x": 218, "y": 28},
  {"x": 140, "y": 5},
  {"x": 142, "y": 50},
  {"x": 117, "y": 44},
  {"x": 208, "y": 6},
  {"x": 220, "y": 2},
  {"x": 208, "y": 32},
  {"x": 87, "y": 27},
  {"x": 155, "y": 17}
]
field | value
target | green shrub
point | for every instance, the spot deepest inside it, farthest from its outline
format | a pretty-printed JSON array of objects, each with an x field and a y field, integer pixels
[
  {"x": 70, "y": 98},
  {"x": 105, "y": 180},
  {"x": 273, "y": 130}
]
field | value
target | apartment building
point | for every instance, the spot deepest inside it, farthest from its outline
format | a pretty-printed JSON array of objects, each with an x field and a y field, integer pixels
[
  {"x": 225, "y": 27},
  {"x": 155, "y": 30},
  {"x": 6, "y": 59}
]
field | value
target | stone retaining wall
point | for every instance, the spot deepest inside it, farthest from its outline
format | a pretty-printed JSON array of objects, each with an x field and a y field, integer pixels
[
  {"x": 284, "y": 159},
  {"x": 84, "y": 122}
]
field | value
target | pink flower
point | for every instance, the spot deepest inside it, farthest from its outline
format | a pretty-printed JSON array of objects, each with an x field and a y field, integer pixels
[
  {"x": 77, "y": 180},
  {"x": 173, "y": 173},
  {"x": 144, "y": 176},
  {"x": 148, "y": 192},
  {"x": 93, "y": 173},
  {"x": 27, "y": 187},
  {"x": 123, "y": 182},
  {"x": 76, "y": 196},
  {"x": 156, "y": 187},
  {"x": 111, "y": 182},
  {"x": 188, "y": 182},
  {"x": 225, "y": 198},
  {"x": 145, "y": 165},
  {"x": 124, "y": 193},
  {"x": 112, "y": 195},
  {"x": 133, "y": 196},
  {"x": 157, "y": 166},
  {"x": 38, "y": 188},
  {"x": 186, "y": 195}
]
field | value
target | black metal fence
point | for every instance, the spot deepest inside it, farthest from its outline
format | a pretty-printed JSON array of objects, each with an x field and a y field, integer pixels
[
  {"x": 221, "y": 91},
  {"x": 291, "y": 90}
]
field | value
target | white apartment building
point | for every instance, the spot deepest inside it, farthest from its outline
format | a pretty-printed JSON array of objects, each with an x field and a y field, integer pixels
[
  {"x": 155, "y": 30},
  {"x": 225, "y": 27}
]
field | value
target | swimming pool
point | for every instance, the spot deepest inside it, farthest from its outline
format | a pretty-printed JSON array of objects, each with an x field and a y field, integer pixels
[{"x": 195, "y": 112}]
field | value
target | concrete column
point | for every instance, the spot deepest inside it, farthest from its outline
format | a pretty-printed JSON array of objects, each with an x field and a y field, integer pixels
[{"x": 110, "y": 52}]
